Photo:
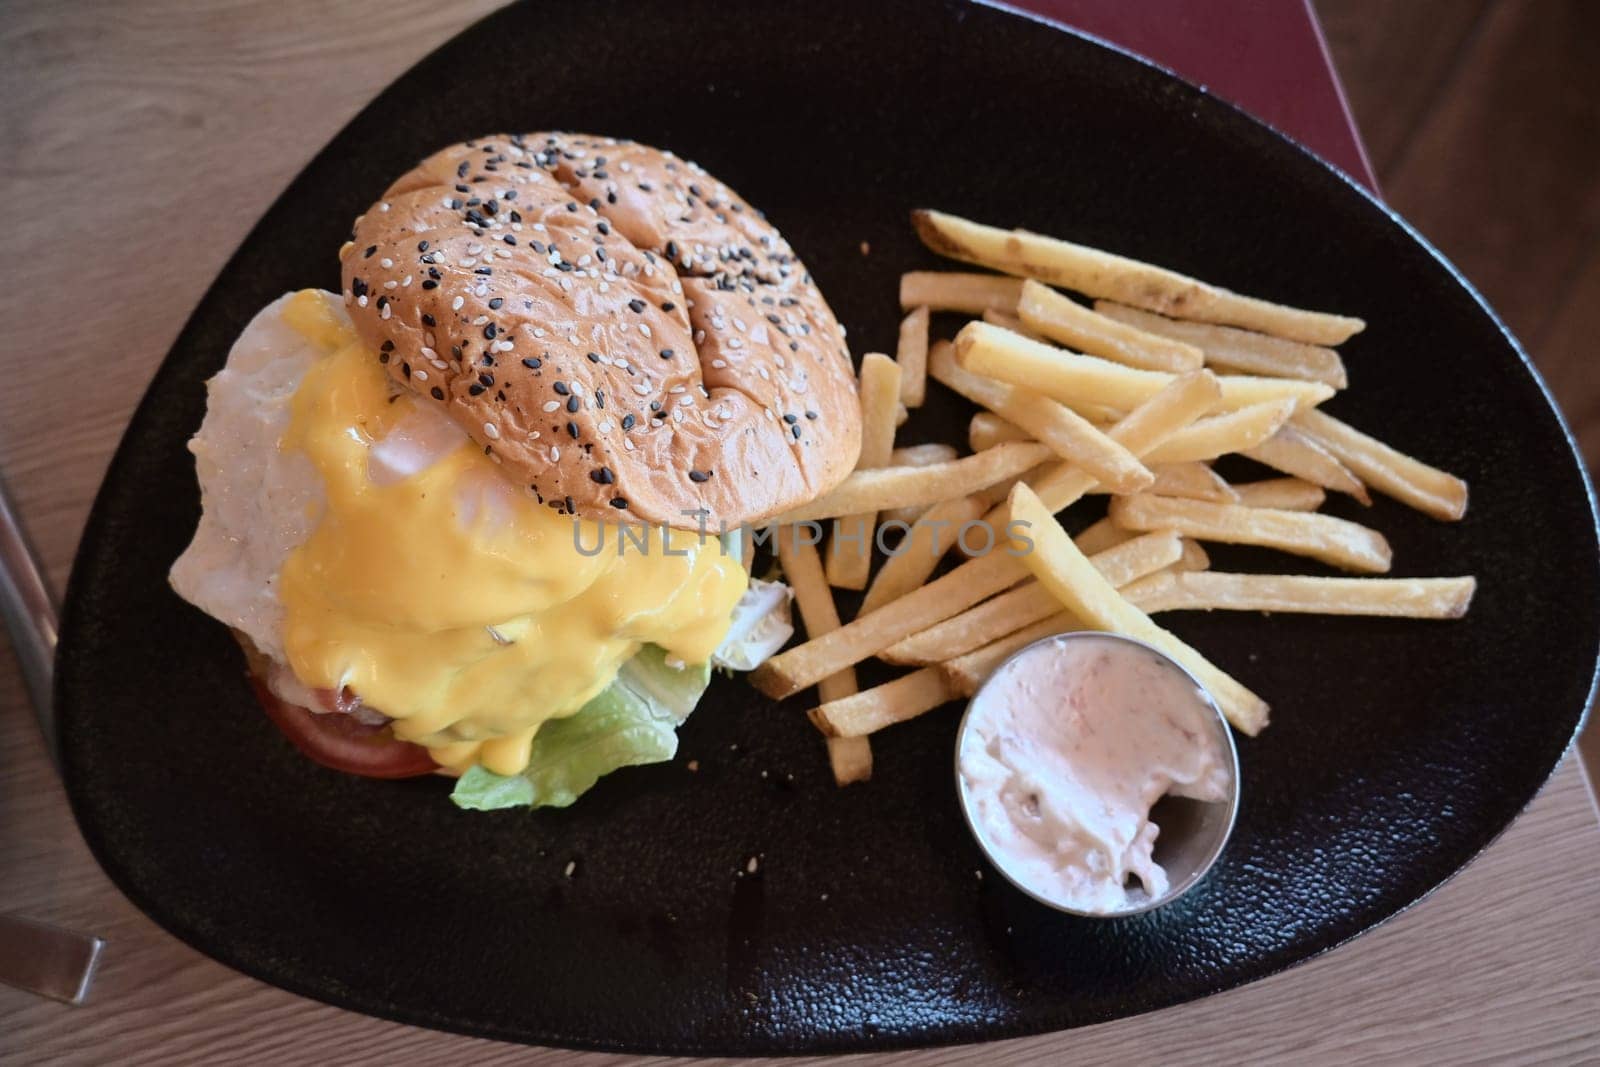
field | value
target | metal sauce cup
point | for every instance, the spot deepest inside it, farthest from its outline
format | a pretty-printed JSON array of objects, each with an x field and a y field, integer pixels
[{"x": 1193, "y": 832}]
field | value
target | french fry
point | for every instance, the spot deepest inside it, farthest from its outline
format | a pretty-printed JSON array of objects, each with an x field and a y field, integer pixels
[
  {"x": 1062, "y": 319},
  {"x": 919, "y": 552},
  {"x": 873, "y": 709},
  {"x": 1232, "y": 431},
  {"x": 1285, "y": 494},
  {"x": 804, "y": 665},
  {"x": 1075, "y": 379},
  {"x": 850, "y": 548},
  {"x": 1336, "y": 541},
  {"x": 1388, "y": 470},
  {"x": 1010, "y": 322},
  {"x": 1126, "y": 281},
  {"x": 1068, "y": 434},
  {"x": 1241, "y": 350},
  {"x": 1030, "y": 602},
  {"x": 849, "y": 758},
  {"x": 898, "y": 487},
  {"x": 1194, "y": 557},
  {"x": 915, "y": 456},
  {"x": 1293, "y": 453},
  {"x": 966, "y": 673},
  {"x": 1411, "y": 598},
  {"x": 988, "y": 429},
  {"x": 1196, "y": 481},
  {"x": 972, "y": 294},
  {"x": 1058, "y": 565},
  {"x": 1177, "y": 405},
  {"x": 912, "y": 355},
  {"x": 1099, "y": 536},
  {"x": 922, "y": 455}
]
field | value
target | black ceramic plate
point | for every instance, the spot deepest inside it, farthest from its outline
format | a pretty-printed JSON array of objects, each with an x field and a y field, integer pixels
[{"x": 1398, "y": 749}]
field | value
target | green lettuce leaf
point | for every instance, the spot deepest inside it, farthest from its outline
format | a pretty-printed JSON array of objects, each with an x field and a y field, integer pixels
[{"x": 632, "y": 721}]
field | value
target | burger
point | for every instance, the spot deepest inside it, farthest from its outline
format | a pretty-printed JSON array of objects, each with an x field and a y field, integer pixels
[{"x": 478, "y": 513}]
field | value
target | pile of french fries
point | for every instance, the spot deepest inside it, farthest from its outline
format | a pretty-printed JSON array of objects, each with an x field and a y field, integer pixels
[{"x": 1133, "y": 396}]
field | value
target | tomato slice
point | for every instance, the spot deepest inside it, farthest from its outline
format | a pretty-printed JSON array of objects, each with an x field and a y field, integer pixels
[{"x": 343, "y": 742}]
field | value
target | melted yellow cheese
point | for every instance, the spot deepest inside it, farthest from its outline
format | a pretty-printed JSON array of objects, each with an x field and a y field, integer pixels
[{"x": 463, "y": 611}]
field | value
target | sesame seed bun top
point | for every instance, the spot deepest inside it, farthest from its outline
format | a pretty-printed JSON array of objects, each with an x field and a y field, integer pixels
[{"x": 622, "y": 332}]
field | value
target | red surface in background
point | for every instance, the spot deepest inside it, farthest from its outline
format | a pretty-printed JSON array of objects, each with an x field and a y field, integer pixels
[{"x": 1266, "y": 56}]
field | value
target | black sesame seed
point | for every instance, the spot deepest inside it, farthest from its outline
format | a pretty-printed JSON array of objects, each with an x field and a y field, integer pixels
[
  {"x": 572, "y": 205},
  {"x": 811, "y": 414},
  {"x": 796, "y": 430},
  {"x": 422, "y": 246},
  {"x": 387, "y": 346},
  {"x": 600, "y": 398},
  {"x": 603, "y": 476},
  {"x": 509, "y": 239},
  {"x": 486, "y": 379},
  {"x": 667, "y": 353},
  {"x": 484, "y": 270},
  {"x": 699, "y": 476},
  {"x": 383, "y": 357},
  {"x": 436, "y": 393},
  {"x": 455, "y": 205},
  {"x": 405, "y": 368},
  {"x": 429, "y": 283},
  {"x": 563, "y": 266},
  {"x": 604, "y": 228},
  {"x": 475, "y": 389},
  {"x": 572, "y": 428},
  {"x": 636, "y": 306},
  {"x": 491, "y": 331},
  {"x": 496, "y": 303},
  {"x": 463, "y": 189},
  {"x": 655, "y": 405},
  {"x": 620, "y": 503},
  {"x": 628, "y": 421},
  {"x": 600, "y": 253},
  {"x": 561, "y": 388},
  {"x": 368, "y": 253},
  {"x": 611, "y": 198},
  {"x": 571, "y": 508},
  {"x": 791, "y": 419},
  {"x": 573, "y": 404},
  {"x": 672, "y": 250},
  {"x": 669, "y": 306},
  {"x": 533, "y": 364},
  {"x": 429, "y": 320},
  {"x": 358, "y": 287}
]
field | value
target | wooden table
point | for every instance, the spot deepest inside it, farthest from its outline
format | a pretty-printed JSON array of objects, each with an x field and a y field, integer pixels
[{"x": 141, "y": 142}]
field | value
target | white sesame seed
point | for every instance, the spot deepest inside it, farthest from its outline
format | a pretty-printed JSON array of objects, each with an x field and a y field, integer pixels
[
  {"x": 644, "y": 328},
  {"x": 566, "y": 285},
  {"x": 456, "y": 304},
  {"x": 474, "y": 248},
  {"x": 481, "y": 290},
  {"x": 388, "y": 309},
  {"x": 677, "y": 414},
  {"x": 440, "y": 364},
  {"x": 470, "y": 261},
  {"x": 682, "y": 400},
  {"x": 552, "y": 405},
  {"x": 386, "y": 262},
  {"x": 752, "y": 866},
  {"x": 420, "y": 375},
  {"x": 384, "y": 206},
  {"x": 577, "y": 388},
  {"x": 718, "y": 364},
  {"x": 766, "y": 376},
  {"x": 502, "y": 346},
  {"x": 555, "y": 453},
  {"x": 627, "y": 443},
  {"x": 361, "y": 301},
  {"x": 572, "y": 865},
  {"x": 642, "y": 390},
  {"x": 404, "y": 282},
  {"x": 491, "y": 431},
  {"x": 734, "y": 342},
  {"x": 480, "y": 320},
  {"x": 391, "y": 284},
  {"x": 606, "y": 426},
  {"x": 538, "y": 331}
]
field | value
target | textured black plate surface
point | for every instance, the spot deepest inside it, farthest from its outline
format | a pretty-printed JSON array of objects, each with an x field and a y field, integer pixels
[{"x": 1398, "y": 749}]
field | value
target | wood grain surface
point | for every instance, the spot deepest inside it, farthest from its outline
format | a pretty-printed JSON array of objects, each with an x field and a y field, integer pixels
[{"x": 139, "y": 142}]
